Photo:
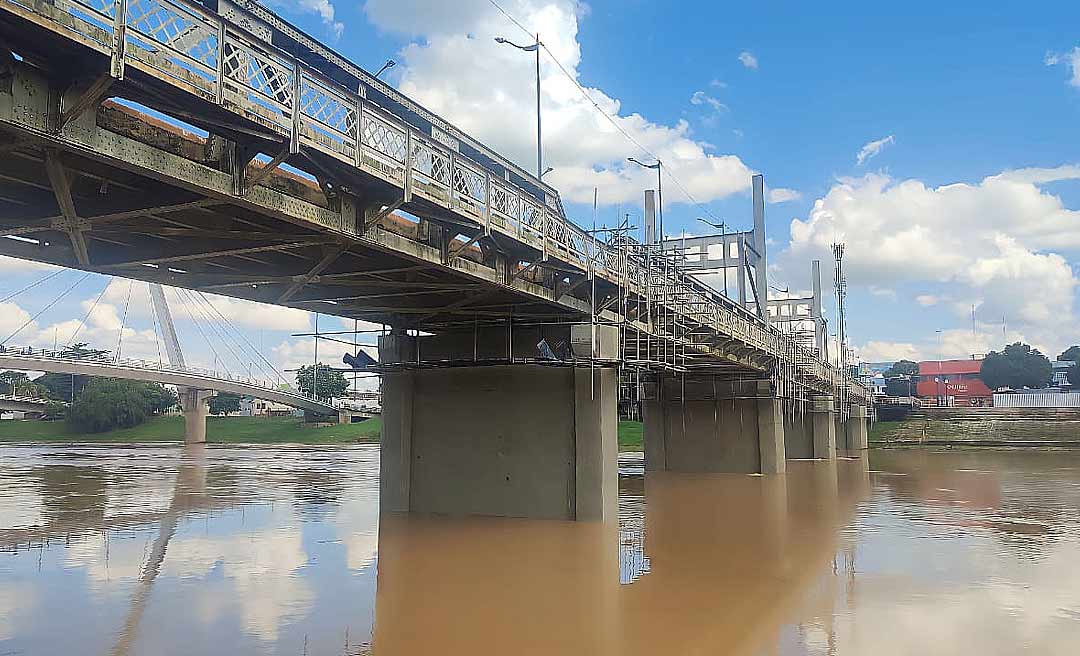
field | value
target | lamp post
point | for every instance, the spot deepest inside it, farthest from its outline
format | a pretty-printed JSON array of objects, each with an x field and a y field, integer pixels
[
  {"x": 941, "y": 374},
  {"x": 659, "y": 190},
  {"x": 390, "y": 63},
  {"x": 535, "y": 47}
]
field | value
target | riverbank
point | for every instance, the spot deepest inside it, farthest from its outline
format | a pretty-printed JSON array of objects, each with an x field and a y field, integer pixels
[
  {"x": 982, "y": 427},
  {"x": 237, "y": 430}
]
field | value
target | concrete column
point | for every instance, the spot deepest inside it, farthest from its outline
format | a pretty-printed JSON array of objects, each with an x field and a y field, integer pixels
[
  {"x": 799, "y": 434},
  {"x": 857, "y": 438},
  {"x": 193, "y": 403},
  {"x": 742, "y": 434},
  {"x": 770, "y": 430},
  {"x": 824, "y": 427},
  {"x": 512, "y": 441}
]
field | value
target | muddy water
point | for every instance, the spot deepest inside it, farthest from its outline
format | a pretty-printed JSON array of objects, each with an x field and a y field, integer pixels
[{"x": 112, "y": 550}]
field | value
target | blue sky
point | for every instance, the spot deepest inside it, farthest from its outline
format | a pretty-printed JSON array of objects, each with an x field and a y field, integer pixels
[{"x": 971, "y": 198}]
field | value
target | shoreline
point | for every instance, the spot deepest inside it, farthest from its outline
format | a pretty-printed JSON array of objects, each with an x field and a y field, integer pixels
[{"x": 232, "y": 431}]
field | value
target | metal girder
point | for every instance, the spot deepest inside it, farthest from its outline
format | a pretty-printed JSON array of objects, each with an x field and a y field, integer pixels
[
  {"x": 330, "y": 255},
  {"x": 212, "y": 254},
  {"x": 69, "y": 221},
  {"x": 93, "y": 95}
]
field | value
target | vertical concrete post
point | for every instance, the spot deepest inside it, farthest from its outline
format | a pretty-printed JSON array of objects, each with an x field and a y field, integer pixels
[
  {"x": 770, "y": 420},
  {"x": 824, "y": 427},
  {"x": 395, "y": 445},
  {"x": 193, "y": 403},
  {"x": 858, "y": 439},
  {"x": 596, "y": 443}
]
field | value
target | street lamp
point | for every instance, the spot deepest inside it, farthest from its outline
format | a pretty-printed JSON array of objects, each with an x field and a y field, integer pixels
[
  {"x": 659, "y": 190},
  {"x": 390, "y": 63},
  {"x": 535, "y": 47},
  {"x": 546, "y": 171}
]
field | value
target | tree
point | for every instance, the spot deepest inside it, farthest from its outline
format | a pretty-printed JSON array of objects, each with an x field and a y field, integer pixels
[
  {"x": 224, "y": 403},
  {"x": 159, "y": 399},
  {"x": 902, "y": 368},
  {"x": 18, "y": 383},
  {"x": 106, "y": 404},
  {"x": 109, "y": 403},
  {"x": 1016, "y": 366},
  {"x": 54, "y": 410},
  {"x": 899, "y": 386},
  {"x": 331, "y": 384},
  {"x": 1073, "y": 373},
  {"x": 1071, "y": 354},
  {"x": 59, "y": 386}
]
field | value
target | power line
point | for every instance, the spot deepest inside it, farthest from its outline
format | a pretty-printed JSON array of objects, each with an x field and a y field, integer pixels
[{"x": 614, "y": 123}]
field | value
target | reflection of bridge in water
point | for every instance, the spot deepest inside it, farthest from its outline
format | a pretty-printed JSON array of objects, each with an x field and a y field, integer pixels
[{"x": 509, "y": 323}]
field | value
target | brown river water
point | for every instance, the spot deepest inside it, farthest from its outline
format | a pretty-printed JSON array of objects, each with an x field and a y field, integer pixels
[{"x": 161, "y": 550}]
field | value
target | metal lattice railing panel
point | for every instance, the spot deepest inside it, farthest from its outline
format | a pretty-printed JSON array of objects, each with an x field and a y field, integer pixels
[
  {"x": 328, "y": 118},
  {"x": 382, "y": 136}
]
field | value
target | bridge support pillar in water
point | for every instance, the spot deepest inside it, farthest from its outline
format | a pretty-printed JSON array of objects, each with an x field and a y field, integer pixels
[
  {"x": 714, "y": 425},
  {"x": 856, "y": 429},
  {"x": 193, "y": 403},
  {"x": 823, "y": 426},
  {"x": 506, "y": 440}
]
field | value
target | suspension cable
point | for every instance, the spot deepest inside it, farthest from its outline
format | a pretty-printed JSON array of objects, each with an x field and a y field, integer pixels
[
  {"x": 254, "y": 349},
  {"x": 123, "y": 322},
  {"x": 82, "y": 324},
  {"x": 195, "y": 320},
  {"x": 46, "y": 308},
  {"x": 216, "y": 330},
  {"x": 32, "y": 285}
]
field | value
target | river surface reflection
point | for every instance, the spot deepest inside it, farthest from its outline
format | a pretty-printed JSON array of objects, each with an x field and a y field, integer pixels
[{"x": 158, "y": 550}]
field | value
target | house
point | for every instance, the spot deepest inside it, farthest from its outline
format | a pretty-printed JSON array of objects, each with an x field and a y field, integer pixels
[
  {"x": 953, "y": 383},
  {"x": 1060, "y": 375}
]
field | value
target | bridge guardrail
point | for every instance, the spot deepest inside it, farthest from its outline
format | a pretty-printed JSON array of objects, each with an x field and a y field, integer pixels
[{"x": 220, "y": 62}]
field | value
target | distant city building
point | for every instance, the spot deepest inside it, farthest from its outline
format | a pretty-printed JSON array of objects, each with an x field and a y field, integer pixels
[
  {"x": 250, "y": 407},
  {"x": 953, "y": 382},
  {"x": 1060, "y": 376}
]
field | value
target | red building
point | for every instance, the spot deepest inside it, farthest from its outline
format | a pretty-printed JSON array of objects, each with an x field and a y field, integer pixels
[{"x": 953, "y": 382}]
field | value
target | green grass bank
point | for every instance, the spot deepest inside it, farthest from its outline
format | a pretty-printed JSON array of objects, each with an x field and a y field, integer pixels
[{"x": 237, "y": 430}]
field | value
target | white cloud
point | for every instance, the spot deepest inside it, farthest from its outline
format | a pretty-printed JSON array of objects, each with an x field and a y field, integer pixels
[
  {"x": 702, "y": 98},
  {"x": 324, "y": 9},
  {"x": 781, "y": 195},
  {"x": 455, "y": 68},
  {"x": 999, "y": 244},
  {"x": 717, "y": 84},
  {"x": 871, "y": 150},
  {"x": 1070, "y": 60},
  {"x": 927, "y": 300},
  {"x": 748, "y": 60},
  {"x": 884, "y": 351},
  {"x": 12, "y": 265}
]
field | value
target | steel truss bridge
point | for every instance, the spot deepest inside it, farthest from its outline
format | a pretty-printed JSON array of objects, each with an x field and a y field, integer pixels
[{"x": 91, "y": 178}]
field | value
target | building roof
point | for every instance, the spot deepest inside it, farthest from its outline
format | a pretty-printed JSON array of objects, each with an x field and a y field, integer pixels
[{"x": 940, "y": 367}]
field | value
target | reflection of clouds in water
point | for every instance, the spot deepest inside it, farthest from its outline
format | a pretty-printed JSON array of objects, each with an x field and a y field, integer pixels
[
  {"x": 1005, "y": 599},
  {"x": 143, "y": 495},
  {"x": 15, "y": 600},
  {"x": 362, "y": 549},
  {"x": 21, "y": 509},
  {"x": 261, "y": 566},
  {"x": 107, "y": 558}
]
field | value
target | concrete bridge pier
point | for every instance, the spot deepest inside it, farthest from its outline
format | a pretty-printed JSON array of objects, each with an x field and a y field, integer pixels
[
  {"x": 857, "y": 429},
  {"x": 194, "y": 404},
  {"x": 509, "y": 440},
  {"x": 823, "y": 426},
  {"x": 714, "y": 425}
]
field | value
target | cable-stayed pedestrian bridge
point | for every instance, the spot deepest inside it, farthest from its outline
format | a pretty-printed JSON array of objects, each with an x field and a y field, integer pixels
[
  {"x": 71, "y": 362},
  {"x": 147, "y": 139}
]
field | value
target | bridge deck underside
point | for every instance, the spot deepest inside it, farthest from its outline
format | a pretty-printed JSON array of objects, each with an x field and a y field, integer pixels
[{"x": 117, "y": 191}]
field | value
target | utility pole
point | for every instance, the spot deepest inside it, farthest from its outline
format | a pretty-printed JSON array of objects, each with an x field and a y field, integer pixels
[{"x": 841, "y": 295}]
